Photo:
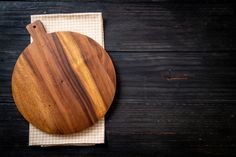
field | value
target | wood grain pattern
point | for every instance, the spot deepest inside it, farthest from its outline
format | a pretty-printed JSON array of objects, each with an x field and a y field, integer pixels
[{"x": 63, "y": 82}]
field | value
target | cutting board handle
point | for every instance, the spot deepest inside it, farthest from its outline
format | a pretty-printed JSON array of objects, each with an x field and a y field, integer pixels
[{"x": 37, "y": 32}]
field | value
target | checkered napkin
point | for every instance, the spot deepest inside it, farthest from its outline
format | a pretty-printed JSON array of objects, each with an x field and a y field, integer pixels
[{"x": 90, "y": 24}]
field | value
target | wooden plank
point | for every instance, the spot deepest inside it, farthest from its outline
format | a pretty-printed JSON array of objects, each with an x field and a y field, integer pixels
[
  {"x": 165, "y": 126},
  {"x": 135, "y": 26},
  {"x": 163, "y": 76}
]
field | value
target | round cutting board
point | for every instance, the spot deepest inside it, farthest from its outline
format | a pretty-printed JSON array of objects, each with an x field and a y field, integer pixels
[{"x": 63, "y": 82}]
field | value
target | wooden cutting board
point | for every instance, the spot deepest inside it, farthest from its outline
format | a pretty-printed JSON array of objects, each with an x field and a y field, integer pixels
[{"x": 63, "y": 82}]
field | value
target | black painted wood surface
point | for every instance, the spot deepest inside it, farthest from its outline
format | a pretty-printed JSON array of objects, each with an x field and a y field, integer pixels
[{"x": 176, "y": 77}]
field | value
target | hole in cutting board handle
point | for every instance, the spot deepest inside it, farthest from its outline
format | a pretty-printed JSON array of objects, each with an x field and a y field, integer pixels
[{"x": 37, "y": 32}]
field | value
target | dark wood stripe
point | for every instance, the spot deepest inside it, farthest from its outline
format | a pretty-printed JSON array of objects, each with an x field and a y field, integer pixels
[
  {"x": 74, "y": 80},
  {"x": 65, "y": 68}
]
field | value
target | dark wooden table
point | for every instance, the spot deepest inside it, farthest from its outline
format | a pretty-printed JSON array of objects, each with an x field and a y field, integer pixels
[{"x": 176, "y": 77}]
